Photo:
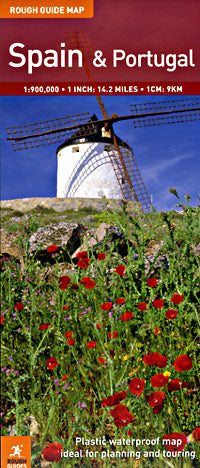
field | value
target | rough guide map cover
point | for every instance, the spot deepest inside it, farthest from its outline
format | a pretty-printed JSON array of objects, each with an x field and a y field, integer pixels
[{"x": 100, "y": 241}]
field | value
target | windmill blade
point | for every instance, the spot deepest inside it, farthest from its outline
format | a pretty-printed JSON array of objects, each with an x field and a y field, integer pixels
[
  {"x": 165, "y": 112},
  {"x": 50, "y": 131},
  {"x": 80, "y": 40},
  {"x": 134, "y": 187}
]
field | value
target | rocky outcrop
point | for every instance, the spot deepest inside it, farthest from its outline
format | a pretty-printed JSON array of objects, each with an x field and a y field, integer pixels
[
  {"x": 65, "y": 235},
  {"x": 10, "y": 247},
  {"x": 9, "y": 244}
]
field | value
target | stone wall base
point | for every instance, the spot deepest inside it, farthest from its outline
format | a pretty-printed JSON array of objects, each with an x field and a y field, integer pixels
[{"x": 64, "y": 204}]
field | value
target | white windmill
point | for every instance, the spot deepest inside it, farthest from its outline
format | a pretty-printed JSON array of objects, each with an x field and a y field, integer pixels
[{"x": 92, "y": 161}]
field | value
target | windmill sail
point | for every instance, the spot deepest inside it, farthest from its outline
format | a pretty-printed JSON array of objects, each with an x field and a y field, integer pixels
[
  {"x": 143, "y": 115},
  {"x": 91, "y": 161},
  {"x": 50, "y": 131},
  {"x": 165, "y": 112},
  {"x": 137, "y": 184},
  {"x": 121, "y": 156}
]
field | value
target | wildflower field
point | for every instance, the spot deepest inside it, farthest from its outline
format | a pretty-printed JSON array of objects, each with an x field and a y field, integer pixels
[{"x": 110, "y": 351}]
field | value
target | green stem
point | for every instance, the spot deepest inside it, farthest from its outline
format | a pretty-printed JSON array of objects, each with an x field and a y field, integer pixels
[
  {"x": 17, "y": 410},
  {"x": 39, "y": 346},
  {"x": 51, "y": 413}
]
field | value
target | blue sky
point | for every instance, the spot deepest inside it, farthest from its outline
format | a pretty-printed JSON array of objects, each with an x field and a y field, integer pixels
[{"x": 167, "y": 155}]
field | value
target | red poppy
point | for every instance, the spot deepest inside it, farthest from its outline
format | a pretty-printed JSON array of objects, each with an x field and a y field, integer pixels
[
  {"x": 196, "y": 434},
  {"x": 52, "y": 248},
  {"x": 74, "y": 286},
  {"x": 155, "y": 359},
  {"x": 118, "y": 411},
  {"x": 83, "y": 254},
  {"x": 85, "y": 280},
  {"x": 121, "y": 416},
  {"x": 99, "y": 325},
  {"x": 176, "y": 299},
  {"x": 106, "y": 306},
  {"x": 183, "y": 363},
  {"x": 112, "y": 353},
  {"x": 136, "y": 386},
  {"x": 112, "y": 335},
  {"x": 91, "y": 344},
  {"x": 158, "y": 408},
  {"x": 171, "y": 314},
  {"x": 101, "y": 360},
  {"x": 126, "y": 419},
  {"x": 175, "y": 442},
  {"x": 157, "y": 330},
  {"x": 126, "y": 316},
  {"x": 68, "y": 334},
  {"x": 155, "y": 398},
  {"x": 101, "y": 256},
  {"x": 114, "y": 399},
  {"x": 71, "y": 341},
  {"x": 120, "y": 300},
  {"x": 64, "y": 279},
  {"x": 142, "y": 306},
  {"x": 63, "y": 286},
  {"x": 159, "y": 380},
  {"x": 44, "y": 326},
  {"x": 152, "y": 282},
  {"x": 176, "y": 384},
  {"x": 64, "y": 377},
  {"x": 90, "y": 284},
  {"x": 63, "y": 282},
  {"x": 65, "y": 307},
  {"x": 19, "y": 306},
  {"x": 158, "y": 303},
  {"x": 52, "y": 452},
  {"x": 83, "y": 263},
  {"x": 130, "y": 433},
  {"x": 120, "y": 270},
  {"x": 2, "y": 319},
  {"x": 52, "y": 363}
]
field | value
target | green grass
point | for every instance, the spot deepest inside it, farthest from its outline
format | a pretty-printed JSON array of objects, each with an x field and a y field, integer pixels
[
  {"x": 40, "y": 216},
  {"x": 66, "y": 400}
]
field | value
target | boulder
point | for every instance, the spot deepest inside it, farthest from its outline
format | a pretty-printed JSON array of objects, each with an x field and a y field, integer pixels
[
  {"x": 153, "y": 247},
  {"x": 95, "y": 240},
  {"x": 9, "y": 248},
  {"x": 9, "y": 244},
  {"x": 66, "y": 235}
]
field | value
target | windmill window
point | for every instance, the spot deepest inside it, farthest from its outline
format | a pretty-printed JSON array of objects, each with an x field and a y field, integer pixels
[
  {"x": 100, "y": 193},
  {"x": 107, "y": 147},
  {"x": 75, "y": 149},
  {"x": 123, "y": 180}
]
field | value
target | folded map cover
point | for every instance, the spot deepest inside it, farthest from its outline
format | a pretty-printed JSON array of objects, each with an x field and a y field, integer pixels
[{"x": 100, "y": 233}]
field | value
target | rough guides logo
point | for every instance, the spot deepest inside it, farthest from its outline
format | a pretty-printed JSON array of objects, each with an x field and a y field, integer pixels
[{"x": 16, "y": 452}]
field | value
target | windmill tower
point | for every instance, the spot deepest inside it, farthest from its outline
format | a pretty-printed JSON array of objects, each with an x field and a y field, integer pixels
[
  {"x": 92, "y": 161},
  {"x": 84, "y": 169},
  {"x": 100, "y": 164},
  {"x": 86, "y": 165}
]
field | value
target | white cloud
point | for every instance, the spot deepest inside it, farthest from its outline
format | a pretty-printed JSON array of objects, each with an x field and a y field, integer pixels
[{"x": 153, "y": 173}]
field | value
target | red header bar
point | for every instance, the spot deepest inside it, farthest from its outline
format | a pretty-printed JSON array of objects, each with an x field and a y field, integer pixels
[{"x": 103, "y": 88}]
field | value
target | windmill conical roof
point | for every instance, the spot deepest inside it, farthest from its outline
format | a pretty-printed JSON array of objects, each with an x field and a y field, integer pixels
[{"x": 95, "y": 137}]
